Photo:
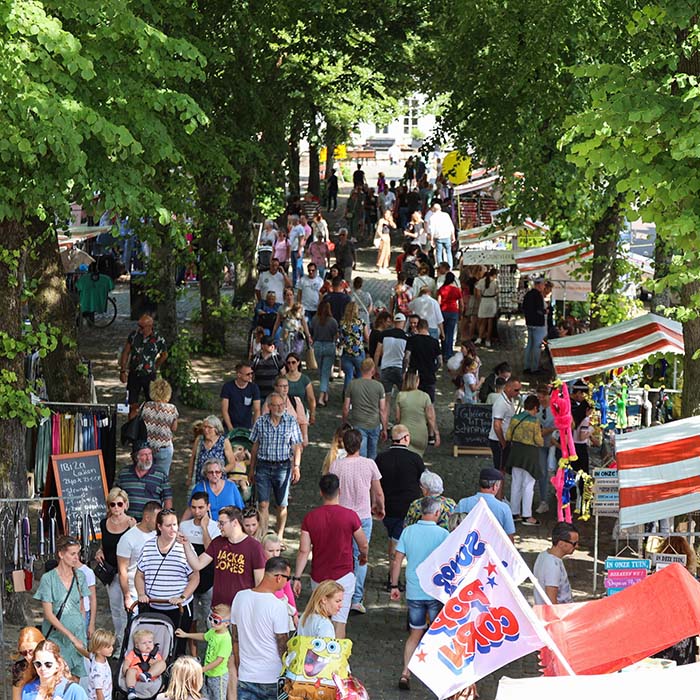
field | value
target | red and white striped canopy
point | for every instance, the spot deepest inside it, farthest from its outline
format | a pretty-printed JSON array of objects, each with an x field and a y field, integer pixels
[
  {"x": 533, "y": 260},
  {"x": 615, "y": 346},
  {"x": 659, "y": 471}
]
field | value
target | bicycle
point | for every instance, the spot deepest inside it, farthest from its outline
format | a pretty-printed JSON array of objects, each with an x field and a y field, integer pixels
[{"x": 99, "y": 319}]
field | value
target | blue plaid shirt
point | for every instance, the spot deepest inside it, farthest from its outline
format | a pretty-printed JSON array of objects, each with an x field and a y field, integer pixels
[{"x": 275, "y": 443}]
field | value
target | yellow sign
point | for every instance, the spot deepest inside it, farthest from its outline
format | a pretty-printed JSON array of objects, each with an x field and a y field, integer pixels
[
  {"x": 339, "y": 152},
  {"x": 456, "y": 167}
]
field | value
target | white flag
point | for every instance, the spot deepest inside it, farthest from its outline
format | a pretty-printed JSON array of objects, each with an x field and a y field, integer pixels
[
  {"x": 486, "y": 624},
  {"x": 440, "y": 574}
]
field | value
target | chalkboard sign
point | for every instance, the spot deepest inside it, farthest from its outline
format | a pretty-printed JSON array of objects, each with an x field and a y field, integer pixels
[
  {"x": 79, "y": 479},
  {"x": 472, "y": 426}
]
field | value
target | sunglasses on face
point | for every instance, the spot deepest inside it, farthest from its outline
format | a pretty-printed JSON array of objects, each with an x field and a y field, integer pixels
[
  {"x": 45, "y": 664},
  {"x": 216, "y": 620},
  {"x": 218, "y": 471},
  {"x": 250, "y": 513},
  {"x": 571, "y": 542},
  {"x": 284, "y": 576},
  {"x": 116, "y": 503}
]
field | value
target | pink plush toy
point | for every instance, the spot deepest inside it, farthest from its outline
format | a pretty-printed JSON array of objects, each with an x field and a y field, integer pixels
[{"x": 561, "y": 410}]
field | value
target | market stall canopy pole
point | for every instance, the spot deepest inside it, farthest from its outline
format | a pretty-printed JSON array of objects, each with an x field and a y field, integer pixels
[
  {"x": 615, "y": 346},
  {"x": 659, "y": 471}
]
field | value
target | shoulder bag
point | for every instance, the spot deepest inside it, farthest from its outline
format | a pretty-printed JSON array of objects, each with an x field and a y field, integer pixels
[{"x": 63, "y": 604}]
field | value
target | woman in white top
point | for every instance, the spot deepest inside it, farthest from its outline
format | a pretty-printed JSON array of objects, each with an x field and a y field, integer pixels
[
  {"x": 325, "y": 601},
  {"x": 487, "y": 292},
  {"x": 423, "y": 280}
]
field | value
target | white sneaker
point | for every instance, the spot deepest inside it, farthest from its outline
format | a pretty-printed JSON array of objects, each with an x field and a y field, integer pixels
[
  {"x": 477, "y": 341},
  {"x": 542, "y": 507},
  {"x": 488, "y": 343}
]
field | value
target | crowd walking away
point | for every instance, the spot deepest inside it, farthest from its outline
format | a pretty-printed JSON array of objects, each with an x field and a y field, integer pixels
[{"x": 219, "y": 560}]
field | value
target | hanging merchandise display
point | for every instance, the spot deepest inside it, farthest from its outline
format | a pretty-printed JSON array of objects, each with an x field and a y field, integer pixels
[{"x": 73, "y": 428}]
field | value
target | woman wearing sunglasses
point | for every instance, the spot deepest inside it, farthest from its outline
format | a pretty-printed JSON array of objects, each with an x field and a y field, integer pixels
[
  {"x": 24, "y": 679},
  {"x": 54, "y": 675},
  {"x": 61, "y": 591},
  {"x": 220, "y": 490},
  {"x": 113, "y": 527}
]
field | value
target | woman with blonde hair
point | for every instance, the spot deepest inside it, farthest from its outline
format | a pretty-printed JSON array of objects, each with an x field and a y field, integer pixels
[
  {"x": 160, "y": 417},
  {"x": 326, "y": 601},
  {"x": 186, "y": 680},
  {"x": 24, "y": 679},
  {"x": 55, "y": 681},
  {"x": 382, "y": 238},
  {"x": 113, "y": 528},
  {"x": 337, "y": 449},
  {"x": 415, "y": 410},
  {"x": 352, "y": 337}
]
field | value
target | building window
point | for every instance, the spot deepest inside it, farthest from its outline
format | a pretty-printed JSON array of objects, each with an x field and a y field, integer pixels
[{"x": 410, "y": 119}]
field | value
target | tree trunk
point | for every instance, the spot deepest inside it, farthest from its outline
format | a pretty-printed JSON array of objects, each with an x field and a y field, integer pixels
[
  {"x": 690, "y": 398},
  {"x": 13, "y": 472},
  {"x": 64, "y": 371},
  {"x": 162, "y": 271},
  {"x": 604, "y": 275},
  {"x": 314, "y": 165},
  {"x": 242, "y": 240},
  {"x": 211, "y": 267},
  {"x": 293, "y": 158}
]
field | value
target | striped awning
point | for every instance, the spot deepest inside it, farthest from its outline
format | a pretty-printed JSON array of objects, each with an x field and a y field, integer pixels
[
  {"x": 615, "y": 346},
  {"x": 473, "y": 236},
  {"x": 475, "y": 185},
  {"x": 78, "y": 234},
  {"x": 659, "y": 471},
  {"x": 533, "y": 260}
]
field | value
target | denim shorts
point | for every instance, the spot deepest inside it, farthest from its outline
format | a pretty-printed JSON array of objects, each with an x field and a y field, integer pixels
[
  {"x": 257, "y": 691},
  {"x": 421, "y": 613},
  {"x": 394, "y": 527},
  {"x": 273, "y": 477}
]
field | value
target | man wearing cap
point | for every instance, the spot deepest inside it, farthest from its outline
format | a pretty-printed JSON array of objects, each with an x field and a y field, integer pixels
[
  {"x": 390, "y": 353},
  {"x": 266, "y": 365},
  {"x": 536, "y": 322},
  {"x": 143, "y": 482},
  {"x": 490, "y": 482},
  {"x": 365, "y": 408}
]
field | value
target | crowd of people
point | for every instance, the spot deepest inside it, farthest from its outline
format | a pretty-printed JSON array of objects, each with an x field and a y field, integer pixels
[{"x": 217, "y": 571}]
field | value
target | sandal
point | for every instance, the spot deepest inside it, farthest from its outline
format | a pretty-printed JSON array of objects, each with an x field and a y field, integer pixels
[
  {"x": 404, "y": 683},
  {"x": 530, "y": 523}
]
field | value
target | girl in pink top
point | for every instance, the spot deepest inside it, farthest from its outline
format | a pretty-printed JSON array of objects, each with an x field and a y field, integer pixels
[
  {"x": 272, "y": 546},
  {"x": 281, "y": 249}
]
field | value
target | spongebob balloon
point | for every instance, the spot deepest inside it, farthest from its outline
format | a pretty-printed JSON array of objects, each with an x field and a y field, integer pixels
[{"x": 310, "y": 664}]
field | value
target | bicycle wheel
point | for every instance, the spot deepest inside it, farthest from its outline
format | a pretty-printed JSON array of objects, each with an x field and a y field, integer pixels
[{"x": 106, "y": 318}]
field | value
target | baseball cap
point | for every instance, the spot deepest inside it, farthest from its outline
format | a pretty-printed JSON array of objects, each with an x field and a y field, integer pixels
[
  {"x": 490, "y": 474},
  {"x": 539, "y": 280},
  {"x": 399, "y": 317}
]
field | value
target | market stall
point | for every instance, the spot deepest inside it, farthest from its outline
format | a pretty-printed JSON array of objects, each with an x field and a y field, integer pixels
[
  {"x": 659, "y": 471},
  {"x": 538, "y": 260},
  {"x": 615, "y": 346}
]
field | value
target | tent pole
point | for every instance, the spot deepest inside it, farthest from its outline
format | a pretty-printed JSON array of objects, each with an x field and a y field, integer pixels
[
  {"x": 675, "y": 372},
  {"x": 595, "y": 555}
]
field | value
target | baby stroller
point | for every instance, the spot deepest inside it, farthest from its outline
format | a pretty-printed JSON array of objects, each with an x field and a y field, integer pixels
[
  {"x": 264, "y": 258},
  {"x": 241, "y": 444},
  {"x": 164, "y": 637}
]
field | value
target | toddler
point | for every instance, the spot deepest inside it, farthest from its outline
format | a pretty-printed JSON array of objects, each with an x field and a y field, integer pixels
[
  {"x": 239, "y": 473},
  {"x": 143, "y": 662},
  {"x": 219, "y": 648},
  {"x": 100, "y": 675}
]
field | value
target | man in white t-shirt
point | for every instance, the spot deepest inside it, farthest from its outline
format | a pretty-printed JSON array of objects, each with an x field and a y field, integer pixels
[
  {"x": 549, "y": 566},
  {"x": 272, "y": 280},
  {"x": 428, "y": 308},
  {"x": 442, "y": 233},
  {"x": 297, "y": 240},
  {"x": 200, "y": 530},
  {"x": 504, "y": 408},
  {"x": 260, "y": 629},
  {"x": 308, "y": 288},
  {"x": 128, "y": 552}
]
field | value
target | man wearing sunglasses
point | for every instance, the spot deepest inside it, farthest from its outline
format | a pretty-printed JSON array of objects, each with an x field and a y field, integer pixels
[
  {"x": 240, "y": 399},
  {"x": 549, "y": 566}
]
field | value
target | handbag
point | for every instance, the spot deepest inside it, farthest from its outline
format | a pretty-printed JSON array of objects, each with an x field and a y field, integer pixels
[
  {"x": 311, "y": 358},
  {"x": 134, "y": 430},
  {"x": 505, "y": 454},
  {"x": 104, "y": 571}
]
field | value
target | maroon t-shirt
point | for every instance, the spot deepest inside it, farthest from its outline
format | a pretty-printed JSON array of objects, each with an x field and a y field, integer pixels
[
  {"x": 234, "y": 565},
  {"x": 331, "y": 530}
]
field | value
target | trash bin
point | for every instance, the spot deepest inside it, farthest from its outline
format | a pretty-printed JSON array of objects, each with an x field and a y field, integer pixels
[{"x": 139, "y": 299}]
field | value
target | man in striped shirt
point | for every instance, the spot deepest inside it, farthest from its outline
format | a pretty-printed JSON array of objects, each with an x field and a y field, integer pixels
[
  {"x": 275, "y": 459},
  {"x": 143, "y": 482}
]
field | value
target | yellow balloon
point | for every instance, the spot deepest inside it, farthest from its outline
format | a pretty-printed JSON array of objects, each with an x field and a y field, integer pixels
[{"x": 456, "y": 167}]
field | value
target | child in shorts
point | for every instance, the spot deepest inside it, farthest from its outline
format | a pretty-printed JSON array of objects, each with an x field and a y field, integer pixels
[
  {"x": 219, "y": 648},
  {"x": 142, "y": 663}
]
